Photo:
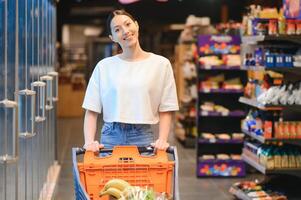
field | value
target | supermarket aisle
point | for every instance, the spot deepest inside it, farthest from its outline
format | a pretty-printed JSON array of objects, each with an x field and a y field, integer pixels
[{"x": 191, "y": 188}]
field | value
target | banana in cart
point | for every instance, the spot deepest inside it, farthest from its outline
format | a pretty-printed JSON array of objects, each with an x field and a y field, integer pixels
[{"x": 122, "y": 190}]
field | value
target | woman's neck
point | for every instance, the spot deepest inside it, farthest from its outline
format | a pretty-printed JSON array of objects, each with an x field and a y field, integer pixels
[{"x": 134, "y": 54}]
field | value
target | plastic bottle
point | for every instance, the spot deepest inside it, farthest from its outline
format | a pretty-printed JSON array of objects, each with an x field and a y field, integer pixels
[{"x": 281, "y": 23}]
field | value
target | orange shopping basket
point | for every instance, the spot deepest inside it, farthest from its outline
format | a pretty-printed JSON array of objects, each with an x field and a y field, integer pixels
[{"x": 155, "y": 170}]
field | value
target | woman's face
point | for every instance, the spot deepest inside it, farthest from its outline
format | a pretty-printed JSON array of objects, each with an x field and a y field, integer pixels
[{"x": 124, "y": 31}]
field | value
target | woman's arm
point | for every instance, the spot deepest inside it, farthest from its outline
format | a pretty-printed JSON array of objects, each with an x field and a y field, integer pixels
[
  {"x": 90, "y": 126},
  {"x": 164, "y": 129}
]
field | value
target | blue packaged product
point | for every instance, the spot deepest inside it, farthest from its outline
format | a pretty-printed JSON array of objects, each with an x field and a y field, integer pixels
[
  {"x": 288, "y": 60},
  {"x": 279, "y": 60},
  {"x": 258, "y": 57},
  {"x": 270, "y": 60}
]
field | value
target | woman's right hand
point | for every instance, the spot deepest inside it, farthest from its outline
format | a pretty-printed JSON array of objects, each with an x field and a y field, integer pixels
[{"x": 93, "y": 146}]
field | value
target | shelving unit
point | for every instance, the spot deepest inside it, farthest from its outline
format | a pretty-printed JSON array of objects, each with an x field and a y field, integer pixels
[
  {"x": 287, "y": 112},
  {"x": 216, "y": 122},
  {"x": 185, "y": 130}
]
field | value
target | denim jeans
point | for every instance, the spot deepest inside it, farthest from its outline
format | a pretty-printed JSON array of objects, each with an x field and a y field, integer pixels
[{"x": 115, "y": 133}]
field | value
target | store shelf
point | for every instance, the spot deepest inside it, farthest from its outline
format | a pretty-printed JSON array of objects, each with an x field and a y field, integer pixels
[
  {"x": 263, "y": 140},
  {"x": 255, "y": 103},
  {"x": 239, "y": 193},
  {"x": 261, "y": 38},
  {"x": 219, "y": 141},
  {"x": 223, "y": 91},
  {"x": 257, "y": 137},
  {"x": 263, "y": 169},
  {"x": 217, "y": 54},
  {"x": 237, "y": 113},
  {"x": 254, "y": 164},
  {"x": 219, "y": 67},
  {"x": 295, "y": 70},
  {"x": 253, "y": 68}
]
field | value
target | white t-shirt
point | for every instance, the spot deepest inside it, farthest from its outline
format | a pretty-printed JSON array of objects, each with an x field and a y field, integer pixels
[{"x": 132, "y": 92}]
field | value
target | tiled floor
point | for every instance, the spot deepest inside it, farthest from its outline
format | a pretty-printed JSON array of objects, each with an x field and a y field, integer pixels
[{"x": 191, "y": 188}]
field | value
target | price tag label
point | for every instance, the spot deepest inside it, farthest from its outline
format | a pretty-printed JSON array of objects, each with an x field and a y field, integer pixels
[
  {"x": 205, "y": 113},
  {"x": 225, "y": 113},
  {"x": 212, "y": 140},
  {"x": 206, "y": 90}
]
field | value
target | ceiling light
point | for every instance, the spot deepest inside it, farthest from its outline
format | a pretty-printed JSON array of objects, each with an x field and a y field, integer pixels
[{"x": 128, "y": 1}]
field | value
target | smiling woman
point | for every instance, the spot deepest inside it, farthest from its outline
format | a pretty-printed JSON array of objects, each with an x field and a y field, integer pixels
[
  {"x": 133, "y": 90},
  {"x": 123, "y": 29}
]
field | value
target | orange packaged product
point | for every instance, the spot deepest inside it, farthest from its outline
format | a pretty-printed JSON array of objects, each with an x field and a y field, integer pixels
[
  {"x": 292, "y": 130},
  {"x": 286, "y": 132},
  {"x": 280, "y": 130},
  {"x": 276, "y": 130},
  {"x": 298, "y": 130},
  {"x": 267, "y": 129}
]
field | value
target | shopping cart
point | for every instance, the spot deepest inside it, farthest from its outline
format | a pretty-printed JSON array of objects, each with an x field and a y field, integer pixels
[{"x": 154, "y": 170}]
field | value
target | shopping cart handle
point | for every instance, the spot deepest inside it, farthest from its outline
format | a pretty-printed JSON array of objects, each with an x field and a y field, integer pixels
[
  {"x": 146, "y": 149},
  {"x": 83, "y": 150},
  {"x": 80, "y": 150},
  {"x": 170, "y": 149},
  {"x": 150, "y": 149}
]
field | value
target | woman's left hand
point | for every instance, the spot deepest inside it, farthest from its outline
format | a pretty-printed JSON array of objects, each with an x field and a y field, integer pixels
[{"x": 160, "y": 144}]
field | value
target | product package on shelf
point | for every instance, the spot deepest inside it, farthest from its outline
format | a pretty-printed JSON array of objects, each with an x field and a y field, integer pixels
[
  {"x": 292, "y": 9},
  {"x": 275, "y": 27},
  {"x": 277, "y": 156},
  {"x": 218, "y": 44},
  {"x": 270, "y": 128},
  {"x": 269, "y": 21},
  {"x": 221, "y": 138},
  {"x": 221, "y": 165}
]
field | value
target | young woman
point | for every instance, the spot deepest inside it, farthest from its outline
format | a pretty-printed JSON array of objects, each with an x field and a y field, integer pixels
[{"x": 133, "y": 90}]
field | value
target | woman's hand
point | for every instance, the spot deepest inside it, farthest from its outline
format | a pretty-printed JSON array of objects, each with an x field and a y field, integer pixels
[
  {"x": 93, "y": 146},
  {"x": 160, "y": 144}
]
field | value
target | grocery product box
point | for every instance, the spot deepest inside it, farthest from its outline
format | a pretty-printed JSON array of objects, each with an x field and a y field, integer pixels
[{"x": 292, "y": 9}]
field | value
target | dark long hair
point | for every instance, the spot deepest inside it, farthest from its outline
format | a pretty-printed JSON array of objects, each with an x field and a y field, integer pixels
[{"x": 113, "y": 14}]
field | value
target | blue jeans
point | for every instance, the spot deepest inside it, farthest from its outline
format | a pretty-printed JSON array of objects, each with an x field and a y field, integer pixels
[{"x": 115, "y": 133}]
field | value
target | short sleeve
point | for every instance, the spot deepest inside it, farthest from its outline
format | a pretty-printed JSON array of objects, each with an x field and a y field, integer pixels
[
  {"x": 169, "y": 100},
  {"x": 92, "y": 100}
]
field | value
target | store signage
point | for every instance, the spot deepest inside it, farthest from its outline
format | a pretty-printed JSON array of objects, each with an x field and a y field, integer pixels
[
  {"x": 226, "y": 39},
  {"x": 218, "y": 44}
]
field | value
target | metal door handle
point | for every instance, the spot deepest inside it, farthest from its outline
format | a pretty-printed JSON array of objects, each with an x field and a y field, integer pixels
[
  {"x": 10, "y": 106},
  {"x": 55, "y": 76},
  {"x": 27, "y": 127},
  {"x": 39, "y": 87},
  {"x": 49, "y": 95}
]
